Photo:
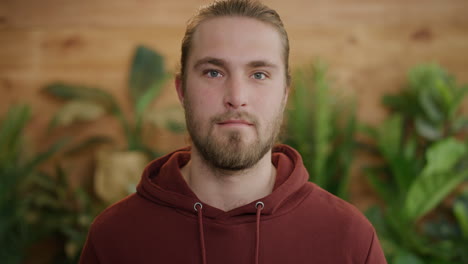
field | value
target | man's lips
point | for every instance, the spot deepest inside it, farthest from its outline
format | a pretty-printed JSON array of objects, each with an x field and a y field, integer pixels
[{"x": 235, "y": 122}]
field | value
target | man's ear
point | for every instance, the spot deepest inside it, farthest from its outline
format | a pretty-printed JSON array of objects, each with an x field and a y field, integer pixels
[{"x": 179, "y": 88}]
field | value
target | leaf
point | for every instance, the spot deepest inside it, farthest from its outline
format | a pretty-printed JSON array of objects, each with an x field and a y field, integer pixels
[
  {"x": 43, "y": 156},
  {"x": 375, "y": 216},
  {"x": 11, "y": 131},
  {"x": 143, "y": 102},
  {"x": 428, "y": 130},
  {"x": 298, "y": 111},
  {"x": 389, "y": 137},
  {"x": 459, "y": 97},
  {"x": 83, "y": 93},
  {"x": 300, "y": 116},
  {"x": 404, "y": 257},
  {"x": 175, "y": 126},
  {"x": 147, "y": 69},
  {"x": 383, "y": 188},
  {"x": 431, "y": 110},
  {"x": 459, "y": 124},
  {"x": 148, "y": 96},
  {"x": 323, "y": 125},
  {"x": 460, "y": 210},
  {"x": 437, "y": 180},
  {"x": 77, "y": 111},
  {"x": 346, "y": 154},
  {"x": 443, "y": 155},
  {"x": 403, "y": 103}
]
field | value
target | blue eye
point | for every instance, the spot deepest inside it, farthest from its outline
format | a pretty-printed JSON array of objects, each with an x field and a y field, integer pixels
[
  {"x": 213, "y": 73},
  {"x": 259, "y": 76}
]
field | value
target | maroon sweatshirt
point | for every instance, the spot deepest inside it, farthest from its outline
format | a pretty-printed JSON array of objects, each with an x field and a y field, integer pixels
[{"x": 165, "y": 222}]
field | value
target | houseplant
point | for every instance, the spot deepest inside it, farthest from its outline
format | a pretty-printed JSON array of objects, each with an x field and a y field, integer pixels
[
  {"x": 19, "y": 167},
  {"x": 321, "y": 126},
  {"x": 424, "y": 160},
  {"x": 118, "y": 168}
]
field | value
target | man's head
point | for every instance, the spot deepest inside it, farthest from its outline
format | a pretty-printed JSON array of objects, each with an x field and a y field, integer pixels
[{"x": 234, "y": 83}]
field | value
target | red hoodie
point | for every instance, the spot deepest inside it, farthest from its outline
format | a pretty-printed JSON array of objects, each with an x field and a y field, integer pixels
[{"x": 165, "y": 222}]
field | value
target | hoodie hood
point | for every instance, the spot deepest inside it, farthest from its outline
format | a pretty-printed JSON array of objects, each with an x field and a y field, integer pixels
[{"x": 162, "y": 183}]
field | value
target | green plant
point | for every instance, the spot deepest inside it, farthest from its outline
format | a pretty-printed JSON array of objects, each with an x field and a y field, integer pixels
[
  {"x": 118, "y": 168},
  {"x": 84, "y": 103},
  {"x": 63, "y": 212},
  {"x": 18, "y": 166},
  {"x": 431, "y": 102},
  {"x": 321, "y": 129},
  {"x": 419, "y": 170}
]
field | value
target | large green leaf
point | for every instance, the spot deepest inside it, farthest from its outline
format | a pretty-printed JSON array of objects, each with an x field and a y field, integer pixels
[
  {"x": 460, "y": 210},
  {"x": 390, "y": 140},
  {"x": 389, "y": 137},
  {"x": 11, "y": 131},
  {"x": 437, "y": 180},
  {"x": 147, "y": 69},
  {"x": 76, "y": 111},
  {"x": 345, "y": 154},
  {"x": 442, "y": 156},
  {"x": 83, "y": 93}
]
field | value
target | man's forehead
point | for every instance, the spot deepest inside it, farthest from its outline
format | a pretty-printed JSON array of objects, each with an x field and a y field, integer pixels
[
  {"x": 236, "y": 39},
  {"x": 266, "y": 63}
]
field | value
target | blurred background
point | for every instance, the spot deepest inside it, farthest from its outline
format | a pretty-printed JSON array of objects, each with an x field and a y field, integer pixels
[{"x": 378, "y": 111}]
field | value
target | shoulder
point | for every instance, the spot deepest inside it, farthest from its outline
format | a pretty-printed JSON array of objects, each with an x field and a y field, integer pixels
[
  {"x": 343, "y": 224},
  {"x": 121, "y": 214},
  {"x": 337, "y": 212}
]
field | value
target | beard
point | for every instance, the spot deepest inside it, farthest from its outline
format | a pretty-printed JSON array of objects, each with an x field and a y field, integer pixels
[{"x": 230, "y": 151}]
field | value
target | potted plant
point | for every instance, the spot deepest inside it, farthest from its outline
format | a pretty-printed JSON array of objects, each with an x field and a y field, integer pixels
[{"x": 118, "y": 168}]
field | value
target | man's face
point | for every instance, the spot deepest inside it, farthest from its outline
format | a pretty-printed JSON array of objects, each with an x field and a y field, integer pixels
[{"x": 235, "y": 91}]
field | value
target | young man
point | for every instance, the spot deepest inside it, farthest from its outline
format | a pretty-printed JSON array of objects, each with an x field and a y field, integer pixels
[{"x": 232, "y": 197}]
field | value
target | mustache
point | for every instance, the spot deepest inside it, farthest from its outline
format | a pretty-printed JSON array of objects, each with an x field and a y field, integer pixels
[{"x": 235, "y": 115}]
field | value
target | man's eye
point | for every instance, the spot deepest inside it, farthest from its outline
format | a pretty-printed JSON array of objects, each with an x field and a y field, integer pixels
[
  {"x": 259, "y": 76},
  {"x": 213, "y": 73}
]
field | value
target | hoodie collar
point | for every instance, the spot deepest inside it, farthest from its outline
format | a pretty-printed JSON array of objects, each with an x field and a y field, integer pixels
[{"x": 162, "y": 183}]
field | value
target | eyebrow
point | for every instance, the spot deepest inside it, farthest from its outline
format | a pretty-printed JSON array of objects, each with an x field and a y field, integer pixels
[
  {"x": 262, "y": 63},
  {"x": 210, "y": 60},
  {"x": 222, "y": 63}
]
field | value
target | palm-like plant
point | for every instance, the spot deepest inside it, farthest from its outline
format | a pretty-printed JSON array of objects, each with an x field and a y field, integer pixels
[{"x": 18, "y": 168}]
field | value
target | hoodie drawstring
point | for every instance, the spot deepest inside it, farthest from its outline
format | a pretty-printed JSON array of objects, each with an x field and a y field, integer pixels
[
  {"x": 198, "y": 208},
  {"x": 259, "y": 206}
]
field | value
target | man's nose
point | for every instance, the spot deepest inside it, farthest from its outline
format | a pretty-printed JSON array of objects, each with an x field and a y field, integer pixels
[{"x": 236, "y": 92}]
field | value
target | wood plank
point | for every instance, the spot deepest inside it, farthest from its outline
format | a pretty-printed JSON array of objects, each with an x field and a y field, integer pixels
[{"x": 145, "y": 13}]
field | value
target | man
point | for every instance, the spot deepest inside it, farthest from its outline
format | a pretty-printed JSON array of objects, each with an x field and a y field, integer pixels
[{"x": 232, "y": 197}]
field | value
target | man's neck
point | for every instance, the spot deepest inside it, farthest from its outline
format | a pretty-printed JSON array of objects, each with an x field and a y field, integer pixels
[{"x": 227, "y": 190}]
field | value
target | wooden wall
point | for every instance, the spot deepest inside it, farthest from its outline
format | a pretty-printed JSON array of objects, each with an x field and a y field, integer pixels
[{"x": 369, "y": 45}]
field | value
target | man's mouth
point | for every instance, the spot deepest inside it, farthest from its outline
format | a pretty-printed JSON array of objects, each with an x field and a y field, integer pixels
[{"x": 235, "y": 122}]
